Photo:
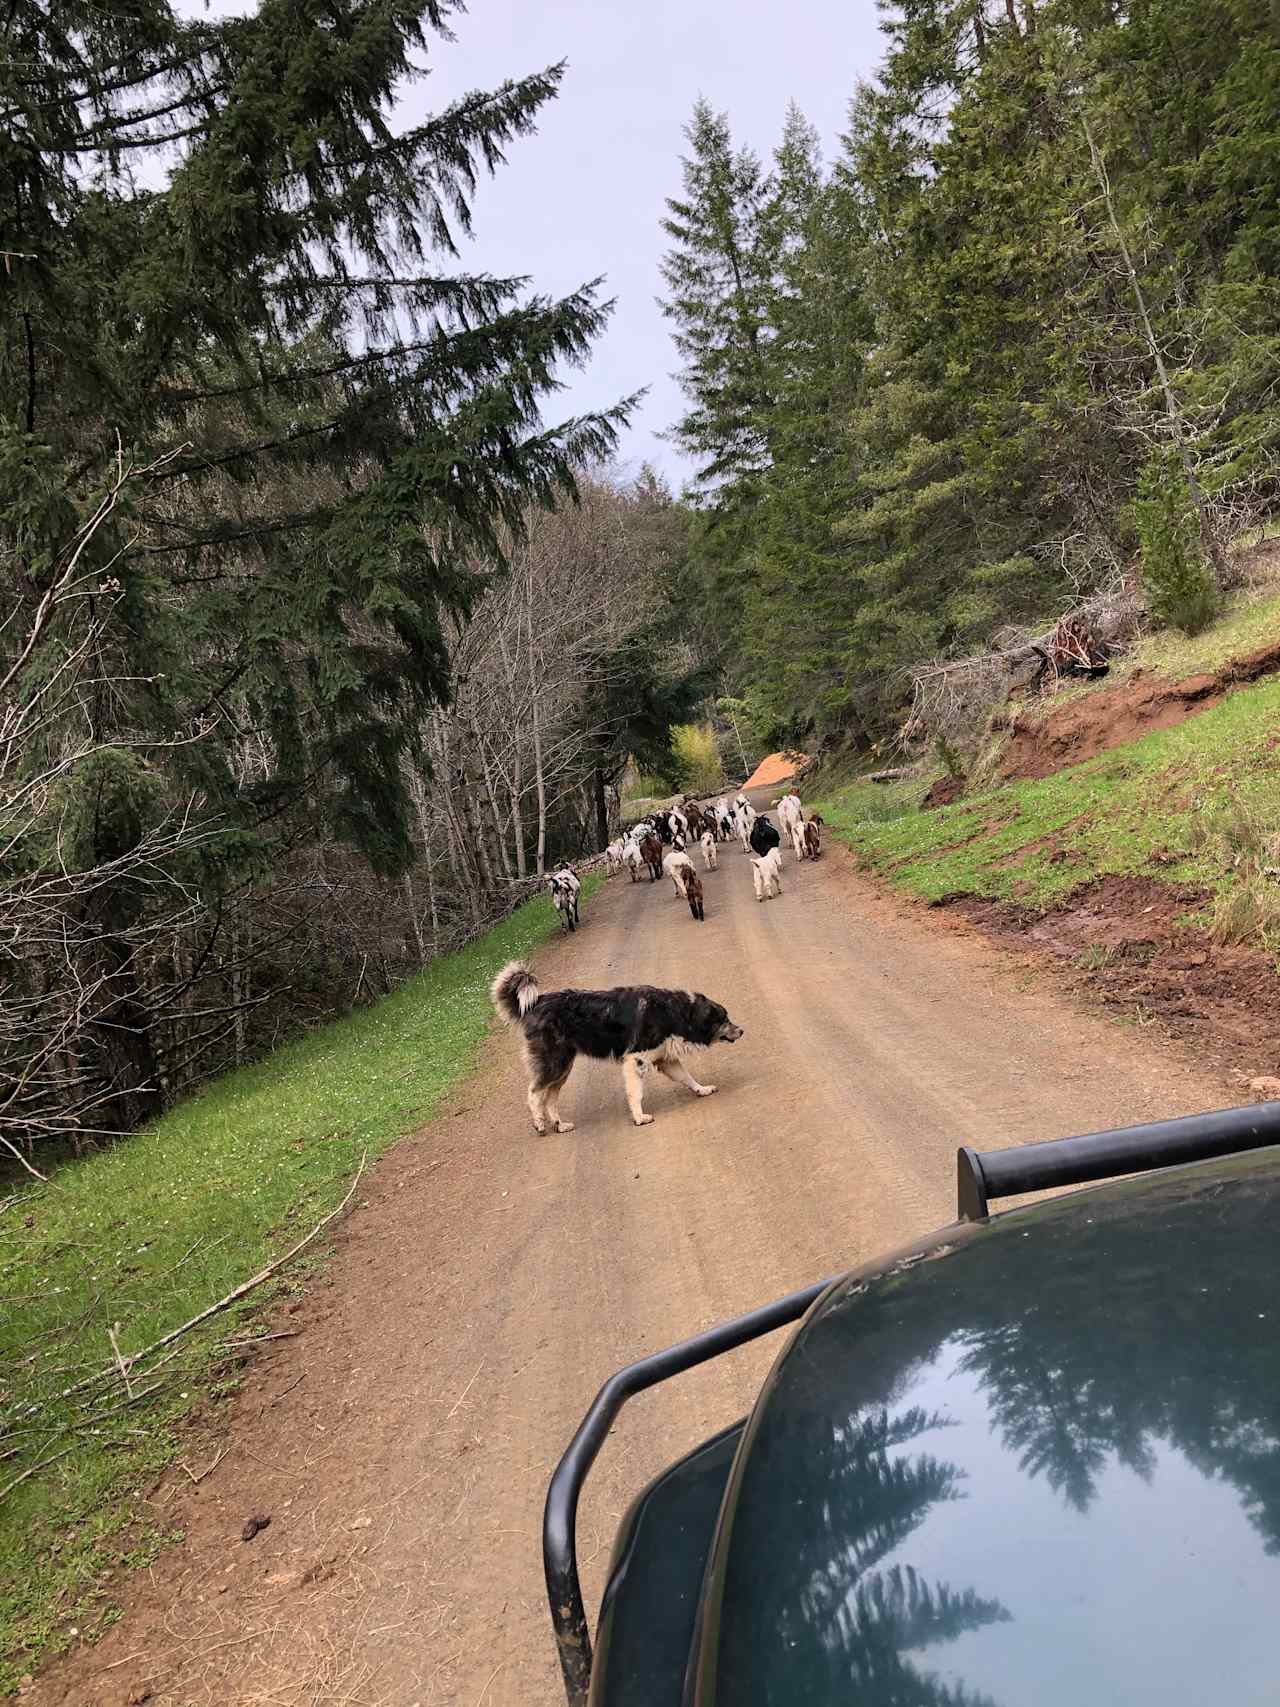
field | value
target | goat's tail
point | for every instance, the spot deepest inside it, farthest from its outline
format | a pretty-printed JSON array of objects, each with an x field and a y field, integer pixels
[{"x": 514, "y": 991}]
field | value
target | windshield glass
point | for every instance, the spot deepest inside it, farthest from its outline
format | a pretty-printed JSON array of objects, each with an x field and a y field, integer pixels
[{"x": 1042, "y": 1468}]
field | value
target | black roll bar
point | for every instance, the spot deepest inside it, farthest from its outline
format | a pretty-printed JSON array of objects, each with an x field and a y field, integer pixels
[
  {"x": 980, "y": 1176},
  {"x": 560, "y": 1519}
]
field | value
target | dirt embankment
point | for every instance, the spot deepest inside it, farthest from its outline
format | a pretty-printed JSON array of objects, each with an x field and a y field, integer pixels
[
  {"x": 1099, "y": 721},
  {"x": 1122, "y": 943},
  {"x": 775, "y": 768}
]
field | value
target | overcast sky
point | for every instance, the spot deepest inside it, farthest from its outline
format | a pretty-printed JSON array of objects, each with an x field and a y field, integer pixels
[{"x": 584, "y": 196}]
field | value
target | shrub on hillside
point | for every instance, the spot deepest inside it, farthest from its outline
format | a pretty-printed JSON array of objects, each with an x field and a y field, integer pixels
[
  {"x": 697, "y": 754},
  {"x": 950, "y": 757},
  {"x": 1177, "y": 580},
  {"x": 1244, "y": 837}
]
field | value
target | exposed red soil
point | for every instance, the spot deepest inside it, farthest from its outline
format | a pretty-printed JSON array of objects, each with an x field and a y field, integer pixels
[
  {"x": 1224, "y": 999},
  {"x": 1099, "y": 721},
  {"x": 776, "y": 768},
  {"x": 943, "y": 792}
]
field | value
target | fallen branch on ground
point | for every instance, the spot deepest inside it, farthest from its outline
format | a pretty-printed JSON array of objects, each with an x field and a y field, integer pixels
[
  {"x": 953, "y": 697},
  {"x": 42, "y": 1464},
  {"x": 124, "y": 1365},
  {"x": 207, "y": 1471}
]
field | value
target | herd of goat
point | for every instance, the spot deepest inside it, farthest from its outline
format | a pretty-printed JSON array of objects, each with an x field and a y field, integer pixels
[{"x": 664, "y": 843}]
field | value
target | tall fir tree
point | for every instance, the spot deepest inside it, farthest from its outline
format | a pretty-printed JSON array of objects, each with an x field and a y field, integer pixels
[
  {"x": 226, "y": 269},
  {"x": 718, "y": 278},
  {"x": 967, "y": 358},
  {"x": 346, "y": 419},
  {"x": 801, "y": 591}
]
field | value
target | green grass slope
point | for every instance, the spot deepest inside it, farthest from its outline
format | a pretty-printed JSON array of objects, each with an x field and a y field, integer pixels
[
  {"x": 1196, "y": 804},
  {"x": 1249, "y": 622},
  {"x": 144, "y": 1235}
]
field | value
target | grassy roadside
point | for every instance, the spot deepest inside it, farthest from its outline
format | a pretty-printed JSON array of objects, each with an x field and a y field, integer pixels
[
  {"x": 143, "y": 1236},
  {"x": 1196, "y": 804}
]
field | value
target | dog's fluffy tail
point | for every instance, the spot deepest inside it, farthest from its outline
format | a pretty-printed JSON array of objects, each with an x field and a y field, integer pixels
[{"x": 514, "y": 991}]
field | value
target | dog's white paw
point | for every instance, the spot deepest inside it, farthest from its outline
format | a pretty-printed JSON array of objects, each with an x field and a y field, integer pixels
[
  {"x": 704, "y": 1090},
  {"x": 643, "y": 1119},
  {"x": 540, "y": 1130},
  {"x": 564, "y": 1126}
]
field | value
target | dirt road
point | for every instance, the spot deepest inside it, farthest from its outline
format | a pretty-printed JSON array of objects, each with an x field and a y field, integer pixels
[{"x": 489, "y": 1280}]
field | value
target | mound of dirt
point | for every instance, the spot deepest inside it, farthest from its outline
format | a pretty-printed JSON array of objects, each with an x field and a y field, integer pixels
[
  {"x": 776, "y": 768},
  {"x": 943, "y": 792},
  {"x": 1121, "y": 943},
  {"x": 1084, "y": 727}
]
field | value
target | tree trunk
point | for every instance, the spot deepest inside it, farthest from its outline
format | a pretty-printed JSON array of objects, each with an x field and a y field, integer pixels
[
  {"x": 1176, "y": 419},
  {"x": 475, "y": 824},
  {"x": 463, "y": 871},
  {"x": 746, "y": 769},
  {"x": 500, "y": 839},
  {"x": 237, "y": 996},
  {"x": 429, "y": 863},
  {"x": 414, "y": 921},
  {"x": 124, "y": 1034},
  {"x": 517, "y": 763},
  {"x": 540, "y": 780},
  {"x": 602, "y": 809},
  {"x": 431, "y": 902}
]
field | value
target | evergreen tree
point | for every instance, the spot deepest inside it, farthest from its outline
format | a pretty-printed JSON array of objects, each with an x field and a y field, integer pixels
[
  {"x": 967, "y": 352},
  {"x": 343, "y": 420},
  {"x": 718, "y": 276},
  {"x": 1177, "y": 581},
  {"x": 802, "y": 592},
  {"x": 226, "y": 273}
]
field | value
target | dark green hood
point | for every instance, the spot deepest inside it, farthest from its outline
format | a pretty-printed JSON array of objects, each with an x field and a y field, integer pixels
[{"x": 1036, "y": 1466}]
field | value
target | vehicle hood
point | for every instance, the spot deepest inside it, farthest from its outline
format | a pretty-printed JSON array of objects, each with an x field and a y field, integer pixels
[{"x": 1035, "y": 1464}]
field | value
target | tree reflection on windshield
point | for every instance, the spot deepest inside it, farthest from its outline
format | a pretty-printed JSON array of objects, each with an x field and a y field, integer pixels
[
  {"x": 1187, "y": 1358},
  {"x": 1062, "y": 1346},
  {"x": 869, "y": 1620}
]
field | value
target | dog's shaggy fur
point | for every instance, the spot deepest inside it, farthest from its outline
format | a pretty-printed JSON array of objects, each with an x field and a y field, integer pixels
[
  {"x": 766, "y": 874},
  {"x": 812, "y": 840},
  {"x": 638, "y": 1025}
]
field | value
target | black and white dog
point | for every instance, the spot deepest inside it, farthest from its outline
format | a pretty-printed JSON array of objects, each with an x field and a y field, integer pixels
[
  {"x": 638, "y": 1025},
  {"x": 565, "y": 890}
]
